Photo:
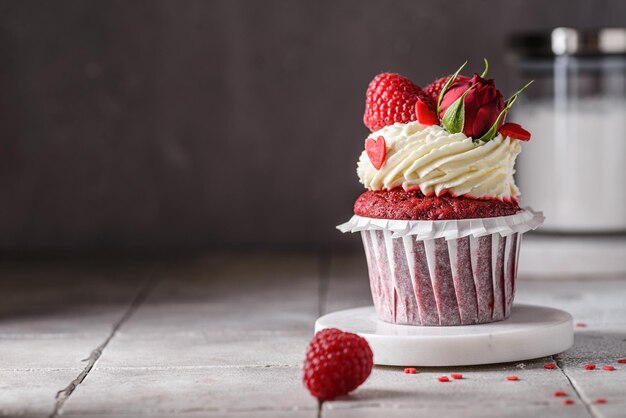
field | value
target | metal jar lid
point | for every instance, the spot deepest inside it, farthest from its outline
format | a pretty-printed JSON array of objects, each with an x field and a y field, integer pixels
[{"x": 570, "y": 41}]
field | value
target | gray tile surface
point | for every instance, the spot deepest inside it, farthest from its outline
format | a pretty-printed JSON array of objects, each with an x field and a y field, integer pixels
[
  {"x": 52, "y": 316},
  {"x": 483, "y": 391},
  {"x": 224, "y": 335},
  {"x": 203, "y": 350},
  {"x": 31, "y": 392},
  {"x": 63, "y": 352},
  {"x": 179, "y": 391},
  {"x": 228, "y": 294}
]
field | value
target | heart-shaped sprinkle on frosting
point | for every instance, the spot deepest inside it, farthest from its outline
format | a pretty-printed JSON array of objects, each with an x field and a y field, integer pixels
[{"x": 376, "y": 151}]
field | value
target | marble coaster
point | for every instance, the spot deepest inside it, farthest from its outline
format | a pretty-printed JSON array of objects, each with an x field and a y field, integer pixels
[{"x": 530, "y": 332}]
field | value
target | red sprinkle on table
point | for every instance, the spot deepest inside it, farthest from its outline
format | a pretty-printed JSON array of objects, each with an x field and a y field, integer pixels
[
  {"x": 622, "y": 360},
  {"x": 589, "y": 366},
  {"x": 580, "y": 325},
  {"x": 567, "y": 402},
  {"x": 549, "y": 366},
  {"x": 512, "y": 378},
  {"x": 456, "y": 375},
  {"x": 600, "y": 401},
  {"x": 410, "y": 370},
  {"x": 443, "y": 379},
  {"x": 559, "y": 393},
  {"x": 608, "y": 368}
]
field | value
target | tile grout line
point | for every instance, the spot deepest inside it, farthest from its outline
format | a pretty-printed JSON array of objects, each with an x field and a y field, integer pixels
[
  {"x": 323, "y": 263},
  {"x": 323, "y": 272},
  {"x": 63, "y": 395},
  {"x": 559, "y": 364}
]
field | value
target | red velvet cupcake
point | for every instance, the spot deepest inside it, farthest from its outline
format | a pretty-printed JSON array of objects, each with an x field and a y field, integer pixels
[{"x": 440, "y": 221}]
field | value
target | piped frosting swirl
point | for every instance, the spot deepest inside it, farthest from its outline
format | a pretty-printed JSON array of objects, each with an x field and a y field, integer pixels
[{"x": 431, "y": 159}]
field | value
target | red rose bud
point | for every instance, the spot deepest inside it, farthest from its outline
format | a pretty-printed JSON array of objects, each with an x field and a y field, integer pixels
[{"x": 483, "y": 105}]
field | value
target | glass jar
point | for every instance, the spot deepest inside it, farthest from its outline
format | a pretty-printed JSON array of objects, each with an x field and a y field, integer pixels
[{"x": 574, "y": 167}]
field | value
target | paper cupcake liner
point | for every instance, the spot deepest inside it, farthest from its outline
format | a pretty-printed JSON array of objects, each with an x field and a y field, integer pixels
[
  {"x": 463, "y": 273},
  {"x": 521, "y": 222}
]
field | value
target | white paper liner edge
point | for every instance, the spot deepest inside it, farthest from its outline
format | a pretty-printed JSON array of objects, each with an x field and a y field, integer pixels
[{"x": 521, "y": 222}]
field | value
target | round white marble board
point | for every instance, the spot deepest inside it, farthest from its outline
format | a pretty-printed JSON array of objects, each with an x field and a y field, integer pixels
[{"x": 529, "y": 332}]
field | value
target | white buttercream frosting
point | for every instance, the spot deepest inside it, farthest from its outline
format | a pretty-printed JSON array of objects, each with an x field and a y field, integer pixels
[{"x": 431, "y": 159}]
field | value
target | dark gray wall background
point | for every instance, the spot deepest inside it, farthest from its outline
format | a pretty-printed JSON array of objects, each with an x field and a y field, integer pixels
[{"x": 168, "y": 125}]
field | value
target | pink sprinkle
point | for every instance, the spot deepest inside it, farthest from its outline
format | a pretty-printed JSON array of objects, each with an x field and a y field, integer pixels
[
  {"x": 622, "y": 360},
  {"x": 512, "y": 378},
  {"x": 580, "y": 325},
  {"x": 559, "y": 393},
  {"x": 589, "y": 366},
  {"x": 456, "y": 375},
  {"x": 608, "y": 368},
  {"x": 567, "y": 402},
  {"x": 443, "y": 379},
  {"x": 600, "y": 401},
  {"x": 410, "y": 370},
  {"x": 549, "y": 366}
]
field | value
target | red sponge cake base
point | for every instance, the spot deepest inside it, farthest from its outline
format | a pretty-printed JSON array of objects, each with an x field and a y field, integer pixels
[{"x": 413, "y": 205}]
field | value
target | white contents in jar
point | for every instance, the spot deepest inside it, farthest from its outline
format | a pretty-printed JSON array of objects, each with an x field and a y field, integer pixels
[{"x": 574, "y": 166}]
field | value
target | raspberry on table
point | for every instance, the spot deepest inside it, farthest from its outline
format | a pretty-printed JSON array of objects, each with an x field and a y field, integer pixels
[
  {"x": 336, "y": 363},
  {"x": 391, "y": 98}
]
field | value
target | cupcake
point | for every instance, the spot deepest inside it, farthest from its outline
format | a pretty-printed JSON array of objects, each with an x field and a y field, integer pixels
[{"x": 440, "y": 220}]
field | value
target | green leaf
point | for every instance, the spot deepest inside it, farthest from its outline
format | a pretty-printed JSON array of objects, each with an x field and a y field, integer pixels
[
  {"x": 486, "y": 68},
  {"x": 454, "y": 118},
  {"x": 447, "y": 86},
  {"x": 493, "y": 131},
  {"x": 514, "y": 97}
]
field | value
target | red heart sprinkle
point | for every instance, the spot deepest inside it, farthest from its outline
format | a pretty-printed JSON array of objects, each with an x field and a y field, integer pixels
[
  {"x": 608, "y": 368},
  {"x": 425, "y": 116},
  {"x": 589, "y": 366},
  {"x": 376, "y": 151},
  {"x": 567, "y": 402},
  {"x": 549, "y": 366},
  {"x": 410, "y": 370},
  {"x": 512, "y": 378},
  {"x": 622, "y": 360},
  {"x": 443, "y": 379},
  {"x": 580, "y": 325},
  {"x": 559, "y": 393},
  {"x": 515, "y": 131},
  {"x": 600, "y": 401},
  {"x": 456, "y": 375}
]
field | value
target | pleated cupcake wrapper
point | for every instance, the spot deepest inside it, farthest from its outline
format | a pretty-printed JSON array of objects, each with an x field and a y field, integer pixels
[
  {"x": 459, "y": 278},
  {"x": 521, "y": 222}
]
